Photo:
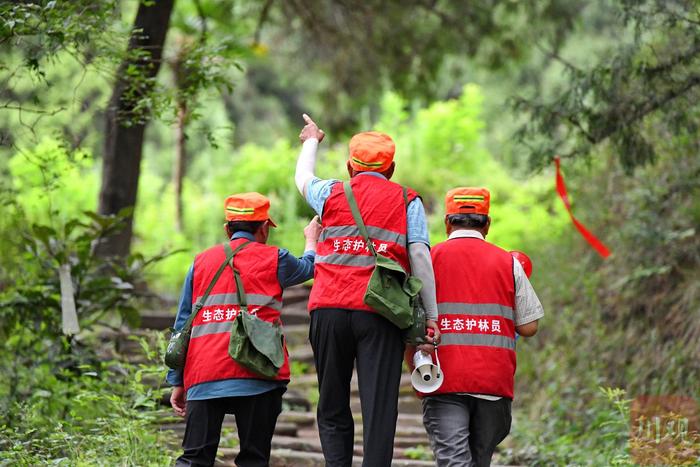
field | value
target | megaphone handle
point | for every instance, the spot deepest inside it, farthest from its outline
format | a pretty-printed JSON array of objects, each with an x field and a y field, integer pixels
[{"x": 437, "y": 359}]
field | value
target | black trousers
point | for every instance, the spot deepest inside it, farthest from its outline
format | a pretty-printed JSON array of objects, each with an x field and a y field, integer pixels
[
  {"x": 256, "y": 417},
  {"x": 340, "y": 338}
]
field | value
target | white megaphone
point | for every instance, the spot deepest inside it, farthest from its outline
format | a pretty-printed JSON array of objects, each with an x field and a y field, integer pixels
[{"x": 427, "y": 376}]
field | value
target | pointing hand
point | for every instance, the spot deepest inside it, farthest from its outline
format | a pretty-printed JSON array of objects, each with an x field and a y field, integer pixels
[{"x": 310, "y": 130}]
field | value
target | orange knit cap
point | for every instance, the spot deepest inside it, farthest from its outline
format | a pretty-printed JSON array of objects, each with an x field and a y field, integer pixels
[
  {"x": 468, "y": 201},
  {"x": 247, "y": 207},
  {"x": 371, "y": 151}
]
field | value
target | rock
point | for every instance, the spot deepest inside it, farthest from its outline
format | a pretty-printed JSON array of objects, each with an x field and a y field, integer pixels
[{"x": 306, "y": 419}]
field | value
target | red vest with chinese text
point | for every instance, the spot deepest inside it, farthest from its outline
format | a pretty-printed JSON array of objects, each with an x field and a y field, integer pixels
[
  {"x": 475, "y": 290},
  {"x": 343, "y": 262},
  {"x": 207, "y": 356}
]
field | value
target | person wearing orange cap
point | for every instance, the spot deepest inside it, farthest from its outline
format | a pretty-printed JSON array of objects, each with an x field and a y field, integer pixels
[
  {"x": 483, "y": 298},
  {"x": 344, "y": 330},
  {"x": 212, "y": 384}
]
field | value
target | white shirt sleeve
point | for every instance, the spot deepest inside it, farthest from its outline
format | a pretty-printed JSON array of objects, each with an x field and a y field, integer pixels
[
  {"x": 306, "y": 164},
  {"x": 527, "y": 306},
  {"x": 422, "y": 268}
]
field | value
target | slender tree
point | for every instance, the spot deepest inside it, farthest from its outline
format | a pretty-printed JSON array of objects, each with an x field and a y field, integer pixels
[
  {"x": 127, "y": 116},
  {"x": 180, "y": 74}
]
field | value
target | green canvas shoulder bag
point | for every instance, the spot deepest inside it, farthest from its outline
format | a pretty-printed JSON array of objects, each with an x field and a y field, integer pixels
[
  {"x": 255, "y": 343},
  {"x": 176, "y": 352},
  {"x": 390, "y": 291}
]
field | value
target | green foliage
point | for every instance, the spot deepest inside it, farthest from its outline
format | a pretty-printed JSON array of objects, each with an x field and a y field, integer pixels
[
  {"x": 45, "y": 182},
  {"x": 362, "y": 49},
  {"x": 438, "y": 147},
  {"x": 441, "y": 147},
  {"x": 43, "y": 29},
  {"x": 598, "y": 435},
  {"x": 419, "y": 452},
  {"x": 50, "y": 231},
  {"x": 611, "y": 323},
  {"x": 61, "y": 401},
  {"x": 652, "y": 71},
  {"x": 298, "y": 368},
  {"x": 615, "y": 81},
  {"x": 96, "y": 413}
]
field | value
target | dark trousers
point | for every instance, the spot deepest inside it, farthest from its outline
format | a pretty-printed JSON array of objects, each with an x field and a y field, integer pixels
[
  {"x": 464, "y": 430},
  {"x": 256, "y": 417},
  {"x": 340, "y": 338}
]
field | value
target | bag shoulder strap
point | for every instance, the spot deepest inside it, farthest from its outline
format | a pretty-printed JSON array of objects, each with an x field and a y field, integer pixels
[
  {"x": 405, "y": 202},
  {"x": 200, "y": 303},
  {"x": 240, "y": 291},
  {"x": 357, "y": 216}
]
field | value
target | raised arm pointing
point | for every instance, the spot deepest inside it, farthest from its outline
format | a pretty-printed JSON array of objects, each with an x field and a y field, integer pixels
[{"x": 310, "y": 136}]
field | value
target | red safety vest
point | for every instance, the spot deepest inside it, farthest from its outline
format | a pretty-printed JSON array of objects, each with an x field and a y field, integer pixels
[
  {"x": 343, "y": 262},
  {"x": 475, "y": 290},
  {"x": 207, "y": 355}
]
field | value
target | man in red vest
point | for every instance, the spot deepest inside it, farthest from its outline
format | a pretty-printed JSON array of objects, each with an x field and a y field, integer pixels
[
  {"x": 343, "y": 329},
  {"x": 212, "y": 383},
  {"x": 483, "y": 298}
]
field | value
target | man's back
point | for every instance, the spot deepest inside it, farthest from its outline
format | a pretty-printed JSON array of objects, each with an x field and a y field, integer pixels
[
  {"x": 207, "y": 358},
  {"x": 344, "y": 263},
  {"x": 479, "y": 270},
  {"x": 343, "y": 329},
  {"x": 475, "y": 290}
]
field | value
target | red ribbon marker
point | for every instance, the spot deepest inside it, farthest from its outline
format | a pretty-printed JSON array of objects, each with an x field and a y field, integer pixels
[{"x": 590, "y": 238}]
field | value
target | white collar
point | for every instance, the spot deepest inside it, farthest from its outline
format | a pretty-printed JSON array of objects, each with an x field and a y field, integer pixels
[
  {"x": 373, "y": 174},
  {"x": 464, "y": 233}
]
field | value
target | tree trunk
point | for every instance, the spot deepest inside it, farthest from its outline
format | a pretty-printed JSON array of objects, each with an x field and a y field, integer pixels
[
  {"x": 124, "y": 129},
  {"x": 180, "y": 73},
  {"x": 180, "y": 161}
]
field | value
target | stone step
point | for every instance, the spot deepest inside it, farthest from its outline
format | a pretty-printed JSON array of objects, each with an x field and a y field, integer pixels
[
  {"x": 301, "y": 419},
  {"x": 295, "y": 315},
  {"x": 296, "y": 294},
  {"x": 284, "y": 457},
  {"x": 407, "y": 404},
  {"x": 158, "y": 319},
  {"x": 282, "y": 429},
  {"x": 296, "y": 401},
  {"x": 301, "y": 353},
  {"x": 309, "y": 379},
  {"x": 409, "y": 442},
  {"x": 297, "y": 335},
  {"x": 305, "y": 381},
  {"x": 402, "y": 431},
  {"x": 278, "y": 458}
]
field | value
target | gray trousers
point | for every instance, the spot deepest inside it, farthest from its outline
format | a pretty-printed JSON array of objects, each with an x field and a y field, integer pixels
[{"x": 464, "y": 430}]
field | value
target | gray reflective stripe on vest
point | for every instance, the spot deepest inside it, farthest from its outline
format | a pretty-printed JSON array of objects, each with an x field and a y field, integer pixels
[
  {"x": 481, "y": 309},
  {"x": 375, "y": 233},
  {"x": 489, "y": 340},
  {"x": 346, "y": 259},
  {"x": 253, "y": 299},
  {"x": 211, "y": 328}
]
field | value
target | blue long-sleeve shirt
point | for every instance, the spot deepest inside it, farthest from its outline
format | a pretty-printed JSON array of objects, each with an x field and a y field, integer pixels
[{"x": 290, "y": 271}]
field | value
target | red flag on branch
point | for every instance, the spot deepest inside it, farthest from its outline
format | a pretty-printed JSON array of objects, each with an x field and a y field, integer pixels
[{"x": 590, "y": 238}]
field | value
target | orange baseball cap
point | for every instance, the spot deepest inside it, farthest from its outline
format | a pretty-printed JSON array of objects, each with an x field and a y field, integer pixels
[
  {"x": 465, "y": 200},
  {"x": 247, "y": 207},
  {"x": 371, "y": 151}
]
